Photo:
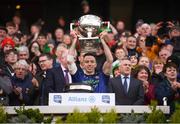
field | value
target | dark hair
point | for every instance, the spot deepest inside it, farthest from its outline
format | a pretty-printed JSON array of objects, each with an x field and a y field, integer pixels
[
  {"x": 140, "y": 68},
  {"x": 10, "y": 51},
  {"x": 169, "y": 65},
  {"x": 3, "y": 28},
  {"x": 36, "y": 25},
  {"x": 47, "y": 55},
  {"x": 90, "y": 54},
  {"x": 42, "y": 34},
  {"x": 10, "y": 24}
]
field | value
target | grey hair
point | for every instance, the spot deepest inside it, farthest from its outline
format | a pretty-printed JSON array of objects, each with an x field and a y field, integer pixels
[
  {"x": 23, "y": 49},
  {"x": 21, "y": 63}
]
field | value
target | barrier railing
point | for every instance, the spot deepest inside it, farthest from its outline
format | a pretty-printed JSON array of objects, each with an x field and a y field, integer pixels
[{"x": 102, "y": 109}]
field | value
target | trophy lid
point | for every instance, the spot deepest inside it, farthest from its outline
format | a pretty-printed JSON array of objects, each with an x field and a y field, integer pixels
[{"x": 90, "y": 20}]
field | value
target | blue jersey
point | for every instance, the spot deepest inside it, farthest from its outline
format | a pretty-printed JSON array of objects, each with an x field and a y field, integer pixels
[{"x": 98, "y": 81}]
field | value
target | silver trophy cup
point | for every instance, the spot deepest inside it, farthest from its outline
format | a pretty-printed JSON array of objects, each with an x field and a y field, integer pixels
[{"x": 87, "y": 28}]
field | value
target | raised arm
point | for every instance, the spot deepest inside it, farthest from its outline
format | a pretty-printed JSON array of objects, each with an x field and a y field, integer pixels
[
  {"x": 109, "y": 58},
  {"x": 71, "y": 54}
]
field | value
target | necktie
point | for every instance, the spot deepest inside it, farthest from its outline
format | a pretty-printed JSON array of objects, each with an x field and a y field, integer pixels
[
  {"x": 66, "y": 76},
  {"x": 125, "y": 84}
]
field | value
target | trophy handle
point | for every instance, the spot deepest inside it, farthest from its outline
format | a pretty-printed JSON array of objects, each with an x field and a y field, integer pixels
[
  {"x": 106, "y": 23},
  {"x": 71, "y": 26}
]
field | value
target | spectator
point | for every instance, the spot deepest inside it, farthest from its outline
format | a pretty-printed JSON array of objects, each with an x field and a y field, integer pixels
[
  {"x": 45, "y": 62},
  {"x": 6, "y": 44},
  {"x": 128, "y": 90},
  {"x": 169, "y": 89},
  {"x": 157, "y": 74},
  {"x": 3, "y": 33},
  {"x": 143, "y": 60},
  {"x": 11, "y": 58},
  {"x": 67, "y": 40},
  {"x": 164, "y": 54},
  {"x": 58, "y": 77},
  {"x": 23, "y": 89},
  {"x": 131, "y": 45},
  {"x": 11, "y": 27},
  {"x": 120, "y": 26},
  {"x": 116, "y": 71},
  {"x": 23, "y": 53},
  {"x": 143, "y": 73},
  {"x": 134, "y": 60},
  {"x": 59, "y": 34},
  {"x": 35, "y": 30},
  {"x": 145, "y": 30},
  {"x": 21, "y": 26}
]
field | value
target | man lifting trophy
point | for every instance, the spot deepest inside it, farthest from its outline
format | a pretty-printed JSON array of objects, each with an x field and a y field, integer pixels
[{"x": 88, "y": 28}]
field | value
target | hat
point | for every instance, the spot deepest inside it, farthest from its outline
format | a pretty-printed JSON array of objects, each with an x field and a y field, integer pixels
[
  {"x": 3, "y": 28},
  {"x": 6, "y": 41}
]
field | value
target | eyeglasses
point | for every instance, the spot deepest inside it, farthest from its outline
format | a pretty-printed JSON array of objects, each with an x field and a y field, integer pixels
[{"x": 23, "y": 69}]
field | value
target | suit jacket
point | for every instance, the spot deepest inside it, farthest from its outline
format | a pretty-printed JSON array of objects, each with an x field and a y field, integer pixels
[
  {"x": 135, "y": 95},
  {"x": 55, "y": 81}
]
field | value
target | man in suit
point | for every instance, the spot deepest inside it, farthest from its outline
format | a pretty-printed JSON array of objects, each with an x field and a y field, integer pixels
[
  {"x": 58, "y": 77},
  {"x": 128, "y": 90}
]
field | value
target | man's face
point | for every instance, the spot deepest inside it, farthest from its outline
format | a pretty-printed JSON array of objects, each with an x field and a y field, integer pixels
[
  {"x": 34, "y": 29},
  {"x": 45, "y": 63},
  {"x": 11, "y": 30},
  {"x": 59, "y": 33},
  {"x": 89, "y": 64},
  {"x": 11, "y": 58},
  {"x": 120, "y": 53},
  {"x": 131, "y": 43},
  {"x": 125, "y": 67},
  {"x": 23, "y": 55},
  {"x": 144, "y": 61},
  {"x": 20, "y": 72},
  {"x": 120, "y": 26},
  {"x": 42, "y": 40},
  {"x": 2, "y": 34},
  {"x": 171, "y": 73},
  {"x": 145, "y": 30},
  {"x": 164, "y": 54}
]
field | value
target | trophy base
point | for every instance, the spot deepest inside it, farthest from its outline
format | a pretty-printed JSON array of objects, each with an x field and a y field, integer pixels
[{"x": 89, "y": 45}]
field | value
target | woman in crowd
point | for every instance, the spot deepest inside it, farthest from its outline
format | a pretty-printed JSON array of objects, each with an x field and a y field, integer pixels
[
  {"x": 142, "y": 73},
  {"x": 157, "y": 75},
  {"x": 168, "y": 91}
]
